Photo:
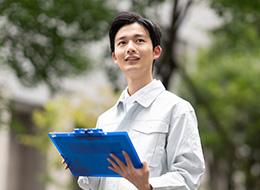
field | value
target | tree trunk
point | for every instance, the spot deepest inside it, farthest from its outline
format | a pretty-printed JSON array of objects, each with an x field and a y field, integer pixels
[
  {"x": 230, "y": 171},
  {"x": 168, "y": 63},
  {"x": 213, "y": 173}
]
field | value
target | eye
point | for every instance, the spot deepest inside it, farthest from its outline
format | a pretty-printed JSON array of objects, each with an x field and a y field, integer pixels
[
  {"x": 121, "y": 43},
  {"x": 140, "y": 40}
]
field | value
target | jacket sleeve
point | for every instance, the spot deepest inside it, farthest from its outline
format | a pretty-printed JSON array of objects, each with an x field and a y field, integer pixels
[
  {"x": 185, "y": 162},
  {"x": 88, "y": 183}
]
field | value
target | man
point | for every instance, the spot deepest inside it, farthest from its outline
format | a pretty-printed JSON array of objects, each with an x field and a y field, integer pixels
[{"x": 161, "y": 125}]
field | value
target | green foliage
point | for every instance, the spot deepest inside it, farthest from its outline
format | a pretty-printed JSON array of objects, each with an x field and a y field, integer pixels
[
  {"x": 4, "y": 110},
  {"x": 240, "y": 27},
  {"x": 238, "y": 6},
  {"x": 228, "y": 82},
  {"x": 227, "y": 90},
  {"x": 231, "y": 84},
  {"x": 42, "y": 39},
  {"x": 63, "y": 114}
]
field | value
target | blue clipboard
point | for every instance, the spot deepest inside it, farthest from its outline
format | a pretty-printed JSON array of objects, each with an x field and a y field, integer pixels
[{"x": 85, "y": 151}]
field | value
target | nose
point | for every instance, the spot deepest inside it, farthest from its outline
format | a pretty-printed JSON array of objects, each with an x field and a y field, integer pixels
[{"x": 131, "y": 47}]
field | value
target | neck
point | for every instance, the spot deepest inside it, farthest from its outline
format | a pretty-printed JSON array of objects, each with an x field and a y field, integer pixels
[{"x": 135, "y": 84}]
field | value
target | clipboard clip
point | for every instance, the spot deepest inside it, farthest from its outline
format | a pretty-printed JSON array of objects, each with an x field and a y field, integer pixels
[{"x": 89, "y": 132}]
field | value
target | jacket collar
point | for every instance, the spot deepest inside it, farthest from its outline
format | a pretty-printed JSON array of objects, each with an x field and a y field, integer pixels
[{"x": 146, "y": 95}]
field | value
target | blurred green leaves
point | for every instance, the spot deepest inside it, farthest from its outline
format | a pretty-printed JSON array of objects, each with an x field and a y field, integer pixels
[
  {"x": 240, "y": 29},
  {"x": 226, "y": 94},
  {"x": 4, "y": 107},
  {"x": 231, "y": 85},
  {"x": 64, "y": 113},
  {"x": 238, "y": 6},
  {"x": 41, "y": 40}
]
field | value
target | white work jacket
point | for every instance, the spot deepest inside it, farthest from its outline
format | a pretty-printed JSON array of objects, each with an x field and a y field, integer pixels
[{"x": 163, "y": 129}]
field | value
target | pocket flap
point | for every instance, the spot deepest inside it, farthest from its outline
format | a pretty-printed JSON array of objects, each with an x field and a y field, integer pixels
[{"x": 150, "y": 127}]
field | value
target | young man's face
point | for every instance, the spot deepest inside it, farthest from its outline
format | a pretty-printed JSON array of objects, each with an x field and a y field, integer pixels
[{"x": 134, "y": 52}]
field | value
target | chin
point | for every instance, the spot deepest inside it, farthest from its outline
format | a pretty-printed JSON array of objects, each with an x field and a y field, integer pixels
[
  {"x": 134, "y": 73},
  {"x": 131, "y": 68}
]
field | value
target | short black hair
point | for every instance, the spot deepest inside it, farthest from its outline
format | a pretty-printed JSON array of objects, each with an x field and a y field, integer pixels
[{"x": 126, "y": 18}]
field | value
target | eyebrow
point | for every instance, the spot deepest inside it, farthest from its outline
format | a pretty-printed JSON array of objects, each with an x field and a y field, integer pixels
[{"x": 135, "y": 36}]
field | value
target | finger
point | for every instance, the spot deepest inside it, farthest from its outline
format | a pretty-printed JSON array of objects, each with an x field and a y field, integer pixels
[
  {"x": 66, "y": 165},
  {"x": 114, "y": 167},
  {"x": 145, "y": 166},
  {"x": 62, "y": 159},
  {"x": 119, "y": 162},
  {"x": 128, "y": 160},
  {"x": 63, "y": 162},
  {"x": 113, "y": 164}
]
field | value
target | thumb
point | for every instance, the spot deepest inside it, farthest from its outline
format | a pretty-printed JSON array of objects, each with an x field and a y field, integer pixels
[{"x": 145, "y": 165}]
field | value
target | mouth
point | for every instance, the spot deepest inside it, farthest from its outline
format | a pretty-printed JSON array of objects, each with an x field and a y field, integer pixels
[{"x": 132, "y": 58}]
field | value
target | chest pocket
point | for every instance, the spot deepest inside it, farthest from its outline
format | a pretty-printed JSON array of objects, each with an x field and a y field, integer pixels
[{"x": 149, "y": 139}]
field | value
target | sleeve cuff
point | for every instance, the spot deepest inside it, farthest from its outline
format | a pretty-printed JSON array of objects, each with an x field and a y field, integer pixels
[
  {"x": 158, "y": 183},
  {"x": 83, "y": 183}
]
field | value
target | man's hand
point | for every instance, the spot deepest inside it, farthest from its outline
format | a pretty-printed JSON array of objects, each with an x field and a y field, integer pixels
[
  {"x": 138, "y": 177},
  {"x": 63, "y": 162}
]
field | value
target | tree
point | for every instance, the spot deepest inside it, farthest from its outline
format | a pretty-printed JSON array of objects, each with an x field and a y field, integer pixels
[
  {"x": 228, "y": 87},
  {"x": 169, "y": 62},
  {"x": 41, "y": 40},
  {"x": 224, "y": 90}
]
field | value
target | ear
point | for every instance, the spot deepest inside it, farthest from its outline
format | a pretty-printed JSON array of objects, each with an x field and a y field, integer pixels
[
  {"x": 157, "y": 52},
  {"x": 114, "y": 57}
]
